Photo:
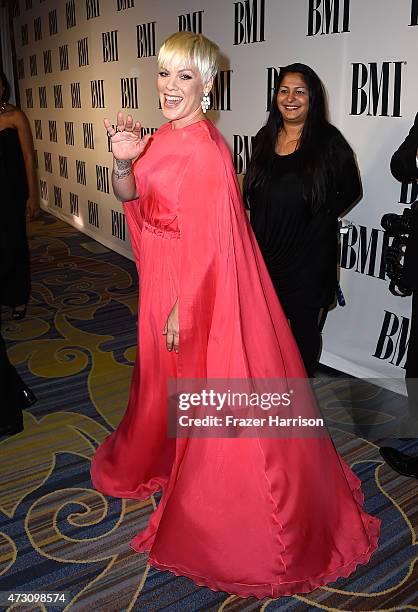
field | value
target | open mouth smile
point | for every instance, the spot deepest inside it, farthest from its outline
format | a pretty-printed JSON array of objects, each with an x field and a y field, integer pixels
[{"x": 172, "y": 101}]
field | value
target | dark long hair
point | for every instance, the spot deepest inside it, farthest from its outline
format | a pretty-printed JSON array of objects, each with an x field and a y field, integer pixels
[
  {"x": 6, "y": 87},
  {"x": 315, "y": 144}
]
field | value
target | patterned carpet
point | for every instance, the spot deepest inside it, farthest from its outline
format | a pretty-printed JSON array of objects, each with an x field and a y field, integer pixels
[{"x": 75, "y": 349}]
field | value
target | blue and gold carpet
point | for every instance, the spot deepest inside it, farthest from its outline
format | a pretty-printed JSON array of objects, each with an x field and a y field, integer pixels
[{"x": 75, "y": 349}]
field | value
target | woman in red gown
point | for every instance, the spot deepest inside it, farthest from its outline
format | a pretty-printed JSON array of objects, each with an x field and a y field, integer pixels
[{"x": 256, "y": 516}]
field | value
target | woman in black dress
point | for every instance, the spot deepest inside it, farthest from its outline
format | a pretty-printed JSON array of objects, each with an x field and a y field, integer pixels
[
  {"x": 301, "y": 178},
  {"x": 19, "y": 193}
]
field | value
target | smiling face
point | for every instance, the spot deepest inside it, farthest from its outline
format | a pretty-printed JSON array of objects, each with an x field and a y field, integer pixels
[
  {"x": 293, "y": 99},
  {"x": 180, "y": 89}
]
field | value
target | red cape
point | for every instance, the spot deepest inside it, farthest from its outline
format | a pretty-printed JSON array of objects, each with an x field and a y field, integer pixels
[{"x": 255, "y": 516}]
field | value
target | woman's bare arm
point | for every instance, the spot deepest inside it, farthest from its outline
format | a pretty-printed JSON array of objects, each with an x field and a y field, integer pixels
[{"x": 26, "y": 144}]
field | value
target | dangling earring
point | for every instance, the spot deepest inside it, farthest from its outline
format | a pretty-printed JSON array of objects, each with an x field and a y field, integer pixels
[{"x": 205, "y": 102}]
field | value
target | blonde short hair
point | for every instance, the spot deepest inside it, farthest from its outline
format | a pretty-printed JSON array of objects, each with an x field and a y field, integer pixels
[{"x": 194, "y": 50}]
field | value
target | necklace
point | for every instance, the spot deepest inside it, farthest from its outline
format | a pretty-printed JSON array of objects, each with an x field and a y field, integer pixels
[{"x": 2, "y": 108}]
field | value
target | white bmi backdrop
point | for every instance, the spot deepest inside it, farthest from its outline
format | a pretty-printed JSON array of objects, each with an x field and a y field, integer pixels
[{"x": 83, "y": 60}]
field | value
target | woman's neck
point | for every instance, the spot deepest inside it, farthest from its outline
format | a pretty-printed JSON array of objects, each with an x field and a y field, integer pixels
[
  {"x": 292, "y": 131},
  {"x": 194, "y": 117},
  {"x": 288, "y": 138}
]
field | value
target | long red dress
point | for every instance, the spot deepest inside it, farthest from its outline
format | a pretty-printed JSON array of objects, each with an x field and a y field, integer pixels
[{"x": 250, "y": 516}]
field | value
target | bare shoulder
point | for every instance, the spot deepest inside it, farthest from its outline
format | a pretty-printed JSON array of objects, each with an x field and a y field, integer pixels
[
  {"x": 14, "y": 117},
  {"x": 18, "y": 117},
  {"x": 8, "y": 116}
]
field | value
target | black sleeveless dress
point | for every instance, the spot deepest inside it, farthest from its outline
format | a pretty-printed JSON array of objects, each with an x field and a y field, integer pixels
[{"x": 14, "y": 251}]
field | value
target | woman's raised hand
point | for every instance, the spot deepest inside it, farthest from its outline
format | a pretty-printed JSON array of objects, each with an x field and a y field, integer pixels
[{"x": 126, "y": 139}]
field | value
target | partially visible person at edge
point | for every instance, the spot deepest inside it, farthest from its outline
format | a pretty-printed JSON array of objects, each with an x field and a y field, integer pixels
[
  {"x": 301, "y": 178},
  {"x": 233, "y": 508},
  {"x": 19, "y": 197},
  {"x": 404, "y": 167},
  {"x": 14, "y": 394}
]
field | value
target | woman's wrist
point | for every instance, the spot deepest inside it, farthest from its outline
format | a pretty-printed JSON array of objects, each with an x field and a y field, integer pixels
[{"x": 122, "y": 168}]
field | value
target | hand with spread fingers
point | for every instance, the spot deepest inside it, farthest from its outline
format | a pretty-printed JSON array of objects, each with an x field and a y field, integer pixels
[
  {"x": 126, "y": 140},
  {"x": 171, "y": 329}
]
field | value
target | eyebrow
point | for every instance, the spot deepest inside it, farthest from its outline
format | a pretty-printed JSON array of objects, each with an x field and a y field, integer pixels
[{"x": 181, "y": 69}]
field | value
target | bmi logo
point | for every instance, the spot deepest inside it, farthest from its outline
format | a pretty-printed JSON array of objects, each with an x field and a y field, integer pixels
[
  {"x": 38, "y": 129},
  {"x": 97, "y": 94},
  {"x": 220, "y": 96},
  {"x": 376, "y": 89},
  {"x": 70, "y": 14},
  {"x": 145, "y": 130},
  {"x": 93, "y": 211},
  {"x": 129, "y": 92},
  {"x": 69, "y": 132},
  {"x": 47, "y": 61},
  {"x": 47, "y": 162},
  {"x": 74, "y": 204},
  {"x": 249, "y": 18},
  {"x": 43, "y": 186},
  {"x": 83, "y": 52},
  {"x": 63, "y": 162},
  {"x": 191, "y": 22},
  {"x": 64, "y": 57},
  {"x": 80, "y": 168},
  {"x": 145, "y": 39},
  {"x": 42, "y": 97},
  {"x": 392, "y": 343},
  {"x": 92, "y": 9},
  {"x": 363, "y": 250},
  {"x": 122, "y": 5},
  {"x": 29, "y": 98},
  {"x": 33, "y": 65},
  {"x": 88, "y": 136},
  {"x": 37, "y": 29},
  {"x": 242, "y": 152},
  {"x": 110, "y": 46},
  {"x": 57, "y": 196},
  {"x": 53, "y": 23},
  {"x": 118, "y": 225},
  {"x": 75, "y": 95},
  {"x": 102, "y": 178},
  {"x": 328, "y": 17},
  {"x": 52, "y": 131},
  {"x": 58, "y": 96}
]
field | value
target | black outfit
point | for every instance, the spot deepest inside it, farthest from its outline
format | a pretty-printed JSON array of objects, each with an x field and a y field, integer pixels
[
  {"x": 300, "y": 244},
  {"x": 403, "y": 163},
  {"x": 14, "y": 394},
  {"x": 15, "y": 284},
  {"x": 11, "y": 387},
  {"x": 404, "y": 168},
  {"x": 14, "y": 272}
]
